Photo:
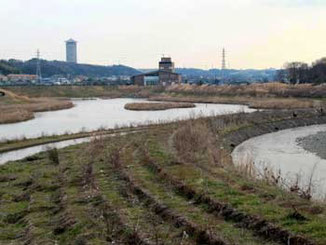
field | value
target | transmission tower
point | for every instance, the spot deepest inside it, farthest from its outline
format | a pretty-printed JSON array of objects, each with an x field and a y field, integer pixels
[
  {"x": 223, "y": 59},
  {"x": 38, "y": 66},
  {"x": 223, "y": 67}
]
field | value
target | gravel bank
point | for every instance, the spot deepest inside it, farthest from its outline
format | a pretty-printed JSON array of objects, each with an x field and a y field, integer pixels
[{"x": 315, "y": 143}]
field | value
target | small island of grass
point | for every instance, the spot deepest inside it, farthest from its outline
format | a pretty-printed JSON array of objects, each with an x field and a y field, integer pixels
[{"x": 157, "y": 106}]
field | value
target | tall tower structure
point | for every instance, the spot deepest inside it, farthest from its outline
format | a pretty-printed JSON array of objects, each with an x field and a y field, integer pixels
[
  {"x": 166, "y": 64},
  {"x": 223, "y": 59},
  {"x": 71, "y": 51},
  {"x": 38, "y": 66}
]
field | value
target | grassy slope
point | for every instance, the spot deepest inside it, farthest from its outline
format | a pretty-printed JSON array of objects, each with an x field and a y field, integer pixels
[{"x": 108, "y": 190}]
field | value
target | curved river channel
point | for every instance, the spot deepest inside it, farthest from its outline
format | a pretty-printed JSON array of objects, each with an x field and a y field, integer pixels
[
  {"x": 90, "y": 115},
  {"x": 282, "y": 151}
]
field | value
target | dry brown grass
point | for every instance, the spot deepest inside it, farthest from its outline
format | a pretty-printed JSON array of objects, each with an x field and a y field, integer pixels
[
  {"x": 278, "y": 103},
  {"x": 11, "y": 115},
  {"x": 274, "y": 89},
  {"x": 16, "y": 108},
  {"x": 256, "y": 90},
  {"x": 157, "y": 106},
  {"x": 195, "y": 141},
  {"x": 39, "y": 105},
  {"x": 252, "y": 102},
  {"x": 15, "y": 97},
  {"x": 85, "y": 91}
]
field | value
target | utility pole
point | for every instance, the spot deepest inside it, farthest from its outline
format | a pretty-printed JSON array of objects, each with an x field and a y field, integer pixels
[{"x": 38, "y": 66}]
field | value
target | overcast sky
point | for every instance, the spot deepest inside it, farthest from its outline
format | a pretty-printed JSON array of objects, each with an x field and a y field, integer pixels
[{"x": 255, "y": 33}]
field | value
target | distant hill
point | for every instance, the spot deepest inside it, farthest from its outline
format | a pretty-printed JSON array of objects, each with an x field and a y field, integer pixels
[
  {"x": 50, "y": 68},
  {"x": 232, "y": 75},
  {"x": 6, "y": 68}
]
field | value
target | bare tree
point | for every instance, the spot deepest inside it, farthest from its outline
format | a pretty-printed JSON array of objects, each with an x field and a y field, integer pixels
[
  {"x": 296, "y": 72},
  {"x": 318, "y": 71}
]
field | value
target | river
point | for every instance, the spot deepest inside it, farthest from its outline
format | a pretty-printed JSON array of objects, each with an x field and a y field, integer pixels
[
  {"x": 282, "y": 152},
  {"x": 90, "y": 115}
]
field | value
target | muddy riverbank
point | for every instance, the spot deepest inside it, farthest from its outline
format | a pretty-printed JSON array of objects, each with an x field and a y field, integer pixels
[{"x": 295, "y": 119}]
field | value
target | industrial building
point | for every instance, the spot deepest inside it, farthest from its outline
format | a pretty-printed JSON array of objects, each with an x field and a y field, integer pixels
[
  {"x": 71, "y": 51},
  {"x": 165, "y": 75},
  {"x": 22, "y": 78}
]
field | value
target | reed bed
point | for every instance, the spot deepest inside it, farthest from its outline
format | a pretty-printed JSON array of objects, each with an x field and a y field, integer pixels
[
  {"x": 256, "y": 90},
  {"x": 11, "y": 115},
  {"x": 252, "y": 102},
  {"x": 157, "y": 106},
  {"x": 17, "y": 108}
]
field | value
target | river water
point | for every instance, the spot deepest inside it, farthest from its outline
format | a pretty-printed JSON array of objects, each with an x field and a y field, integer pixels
[
  {"x": 281, "y": 151},
  {"x": 22, "y": 153},
  {"x": 89, "y": 115}
]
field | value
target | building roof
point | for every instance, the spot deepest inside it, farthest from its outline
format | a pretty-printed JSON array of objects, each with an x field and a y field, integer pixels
[
  {"x": 71, "y": 41},
  {"x": 153, "y": 73},
  {"x": 21, "y": 75}
]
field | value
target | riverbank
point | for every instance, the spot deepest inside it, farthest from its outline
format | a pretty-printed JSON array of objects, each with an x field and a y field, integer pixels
[
  {"x": 17, "y": 144},
  {"x": 302, "y": 118},
  {"x": 85, "y": 91},
  {"x": 166, "y": 180},
  {"x": 157, "y": 106},
  {"x": 258, "y": 96},
  {"x": 18, "y": 108},
  {"x": 259, "y": 90}
]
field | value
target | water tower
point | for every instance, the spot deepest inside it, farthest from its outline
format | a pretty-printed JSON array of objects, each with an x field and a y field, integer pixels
[{"x": 71, "y": 51}]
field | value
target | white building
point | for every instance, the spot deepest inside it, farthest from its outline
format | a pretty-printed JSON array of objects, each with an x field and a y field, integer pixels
[{"x": 71, "y": 51}]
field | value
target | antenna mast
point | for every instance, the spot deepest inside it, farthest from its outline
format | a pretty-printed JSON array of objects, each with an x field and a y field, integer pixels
[{"x": 38, "y": 66}]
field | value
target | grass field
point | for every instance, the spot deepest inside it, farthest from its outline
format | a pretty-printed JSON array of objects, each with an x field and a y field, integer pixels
[{"x": 170, "y": 184}]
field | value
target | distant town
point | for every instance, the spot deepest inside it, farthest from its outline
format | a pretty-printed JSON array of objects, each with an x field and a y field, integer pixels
[{"x": 39, "y": 71}]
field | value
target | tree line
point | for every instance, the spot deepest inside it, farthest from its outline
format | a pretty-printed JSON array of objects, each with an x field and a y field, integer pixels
[{"x": 300, "y": 72}]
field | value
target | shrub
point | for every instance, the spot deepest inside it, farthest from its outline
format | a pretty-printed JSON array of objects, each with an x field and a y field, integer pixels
[
  {"x": 194, "y": 141},
  {"x": 53, "y": 156}
]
